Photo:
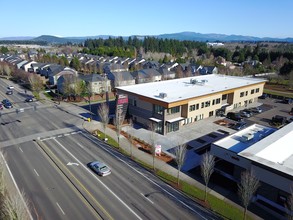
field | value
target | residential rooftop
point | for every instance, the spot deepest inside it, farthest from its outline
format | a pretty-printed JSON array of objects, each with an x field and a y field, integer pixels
[
  {"x": 268, "y": 146},
  {"x": 190, "y": 87}
]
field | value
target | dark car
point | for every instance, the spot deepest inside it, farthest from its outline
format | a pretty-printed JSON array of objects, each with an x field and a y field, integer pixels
[
  {"x": 246, "y": 113},
  {"x": 256, "y": 110},
  {"x": 279, "y": 120},
  {"x": 239, "y": 125},
  {"x": 234, "y": 116},
  {"x": 9, "y": 92},
  {"x": 29, "y": 99},
  {"x": 7, "y": 103},
  {"x": 263, "y": 96}
]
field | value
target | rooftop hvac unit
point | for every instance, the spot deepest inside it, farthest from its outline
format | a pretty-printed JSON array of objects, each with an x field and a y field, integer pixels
[
  {"x": 163, "y": 95},
  {"x": 193, "y": 81},
  {"x": 247, "y": 137}
]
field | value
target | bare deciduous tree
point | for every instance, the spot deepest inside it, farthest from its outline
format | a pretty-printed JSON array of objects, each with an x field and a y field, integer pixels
[
  {"x": 246, "y": 188},
  {"x": 118, "y": 122},
  {"x": 12, "y": 205},
  {"x": 36, "y": 84},
  {"x": 130, "y": 137},
  {"x": 207, "y": 168},
  {"x": 15, "y": 206},
  {"x": 103, "y": 112},
  {"x": 180, "y": 153},
  {"x": 6, "y": 70},
  {"x": 153, "y": 142}
]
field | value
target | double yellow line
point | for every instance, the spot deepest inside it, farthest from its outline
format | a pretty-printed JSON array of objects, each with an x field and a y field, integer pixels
[{"x": 75, "y": 182}]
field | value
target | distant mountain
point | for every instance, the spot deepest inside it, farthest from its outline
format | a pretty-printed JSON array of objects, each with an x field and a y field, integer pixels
[
  {"x": 218, "y": 37},
  {"x": 17, "y": 38},
  {"x": 192, "y": 36}
]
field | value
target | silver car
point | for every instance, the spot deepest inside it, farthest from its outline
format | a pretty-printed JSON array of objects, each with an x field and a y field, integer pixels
[{"x": 100, "y": 168}]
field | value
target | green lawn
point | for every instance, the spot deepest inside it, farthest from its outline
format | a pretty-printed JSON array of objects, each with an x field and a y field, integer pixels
[{"x": 222, "y": 208}]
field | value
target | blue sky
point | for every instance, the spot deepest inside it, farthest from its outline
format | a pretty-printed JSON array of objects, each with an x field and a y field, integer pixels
[{"x": 259, "y": 18}]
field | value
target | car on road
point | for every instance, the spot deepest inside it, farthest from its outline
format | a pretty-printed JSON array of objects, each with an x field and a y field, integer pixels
[
  {"x": 99, "y": 168},
  {"x": 10, "y": 87},
  {"x": 29, "y": 99},
  {"x": 9, "y": 92},
  {"x": 256, "y": 110},
  {"x": 7, "y": 103},
  {"x": 239, "y": 125},
  {"x": 1, "y": 106},
  {"x": 234, "y": 116}
]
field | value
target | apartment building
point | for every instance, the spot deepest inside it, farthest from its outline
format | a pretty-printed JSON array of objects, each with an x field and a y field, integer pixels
[{"x": 171, "y": 104}]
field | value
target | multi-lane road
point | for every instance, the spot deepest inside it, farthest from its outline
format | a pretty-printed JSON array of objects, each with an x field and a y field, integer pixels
[{"x": 47, "y": 152}]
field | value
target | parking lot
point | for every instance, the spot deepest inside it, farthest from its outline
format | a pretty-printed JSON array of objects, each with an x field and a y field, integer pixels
[{"x": 206, "y": 131}]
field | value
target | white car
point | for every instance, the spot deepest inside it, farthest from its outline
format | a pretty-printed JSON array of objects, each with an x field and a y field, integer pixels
[
  {"x": 10, "y": 87},
  {"x": 100, "y": 168}
]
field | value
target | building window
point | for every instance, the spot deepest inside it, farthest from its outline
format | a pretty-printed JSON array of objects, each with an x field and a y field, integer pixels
[
  {"x": 174, "y": 110},
  {"x": 173, "y": 126},
  {"x": 134, "y": 102},
  {"x": 214, "y": 101},
  {"x": 211, "y": 113},
  {"x": 207, "y": 103},
  {"x": 197, "y": 106},
  {"x": 158, "y": 109},
  {"x": 241, "y": 94},
  {"x": 202, "y": 105},
  {"x": 252, "y": 91},
  {"x": 224, "y": 97},
  {"x": 246, "y": 93},
  {"x": 218, "y": 101},
  {"x": 191, "y": 108},
  {"x": 257, "y": 90}
]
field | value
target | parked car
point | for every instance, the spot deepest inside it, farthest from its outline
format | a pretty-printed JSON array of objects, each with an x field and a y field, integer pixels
[
  {"x": 289, "y": 120},
  {"x": 256, "y": 110},
  {"x": 288, "y": 101},
  {"x": 245, "y": 113},
  {"x": 100, "y": 168},
  {"x": 6, "y": 103},
  {"x": 263, "y": 96},
  {"x": 279, "y": 120},
  {"x": 9, "y": 92},
  {"x": 239, "y": 125},
  {"x": 10, "y": 87},
  {"x": 29, "y": 99},
  {"x": 234, "y": 116}
]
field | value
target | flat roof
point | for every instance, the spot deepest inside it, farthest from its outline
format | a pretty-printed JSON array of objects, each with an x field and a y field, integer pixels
[
  {"x": 270, "y": 147},
  {"x": 190, "y": 87}
]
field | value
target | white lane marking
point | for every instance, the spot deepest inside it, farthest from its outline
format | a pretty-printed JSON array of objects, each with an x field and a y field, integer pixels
[
  {"x": 60, "y": 208},
  {"x": 73, "y": 132},
  {"x": 58, "y": 136},
  {"x": 16, "y": 186},
  {"x": 66, "y": 135},
  {"x": 20, "y": 149},
  {"x": 183, "y": 203},
  {"x": 147, "y": 198},
  {"x": 80, "y": 145},
  {"x": 95, "y": 176},
  {"x": 70, "y": 164},
  {"x": 36, "y": 172},
  {"x": 49, "y": 138}
]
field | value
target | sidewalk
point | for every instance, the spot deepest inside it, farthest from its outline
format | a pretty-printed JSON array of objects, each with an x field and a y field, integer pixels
[{"x": 93, "y": 125}]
